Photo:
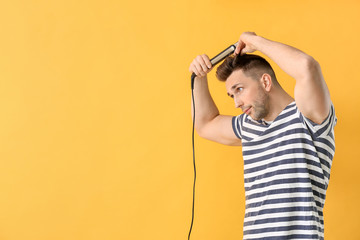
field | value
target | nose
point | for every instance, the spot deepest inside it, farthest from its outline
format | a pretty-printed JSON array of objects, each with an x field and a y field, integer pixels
[{"x": 238, "y": 102}]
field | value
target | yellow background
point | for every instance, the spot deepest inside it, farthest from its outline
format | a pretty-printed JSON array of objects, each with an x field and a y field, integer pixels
[{"x": 95, "y": 124}]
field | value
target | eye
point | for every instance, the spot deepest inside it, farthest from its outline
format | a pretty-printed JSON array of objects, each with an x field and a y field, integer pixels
[
  {"x": 239, "y": 89},
  {"x": 232, "y": 96}
]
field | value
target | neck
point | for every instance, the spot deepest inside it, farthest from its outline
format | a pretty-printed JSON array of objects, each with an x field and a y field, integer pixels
[{"x": 278, "y": 100}]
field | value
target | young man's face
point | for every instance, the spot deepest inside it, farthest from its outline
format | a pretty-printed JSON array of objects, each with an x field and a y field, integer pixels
[{"x": 248, "y": 94}]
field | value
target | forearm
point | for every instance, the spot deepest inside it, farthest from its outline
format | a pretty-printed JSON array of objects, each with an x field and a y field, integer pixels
[
  {"x": 294, "y": 62},
  {"x": 205, "y": 107}
]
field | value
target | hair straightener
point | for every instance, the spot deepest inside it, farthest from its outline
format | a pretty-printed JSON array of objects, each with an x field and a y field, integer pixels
[{"x": 215, "y": 60}]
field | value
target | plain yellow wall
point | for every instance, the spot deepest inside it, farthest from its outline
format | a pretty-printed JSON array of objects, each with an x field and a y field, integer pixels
[{"x": 95, "y": 115}]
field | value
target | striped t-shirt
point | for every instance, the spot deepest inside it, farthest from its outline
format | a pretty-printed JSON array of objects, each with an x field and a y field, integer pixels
[{"x": 286, "y": 173}]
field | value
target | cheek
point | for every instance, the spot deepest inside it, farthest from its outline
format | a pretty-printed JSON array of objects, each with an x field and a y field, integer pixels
[
  {"x": 252, "y": 94},
  {"x": 248, "y": 97}
]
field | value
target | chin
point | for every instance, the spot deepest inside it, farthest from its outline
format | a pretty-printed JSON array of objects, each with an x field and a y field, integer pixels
[{"x": 253, "y": 117}]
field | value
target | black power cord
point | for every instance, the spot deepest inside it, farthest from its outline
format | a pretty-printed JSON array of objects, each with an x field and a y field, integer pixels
[{"x": 193, "y": 147}]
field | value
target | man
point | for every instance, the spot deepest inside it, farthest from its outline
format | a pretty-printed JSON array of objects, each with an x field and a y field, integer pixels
[{"x": 287, "y": 144}]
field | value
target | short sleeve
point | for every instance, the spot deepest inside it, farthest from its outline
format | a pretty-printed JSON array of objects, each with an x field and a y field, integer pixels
[
  {"x": 236, "y": 124},
  {"x": 326, "y": 128}
]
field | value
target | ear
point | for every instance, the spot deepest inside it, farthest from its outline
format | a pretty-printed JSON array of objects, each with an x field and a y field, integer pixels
[{"x": 266, "y": 82}]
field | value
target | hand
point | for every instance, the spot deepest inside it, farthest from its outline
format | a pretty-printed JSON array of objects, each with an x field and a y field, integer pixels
[
  {"x": 244, "y": 44},
  {"x": 201, "y": 65}
]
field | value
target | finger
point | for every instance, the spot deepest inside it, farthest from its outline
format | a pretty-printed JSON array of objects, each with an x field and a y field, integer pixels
[
  {"x": 207, "y": 61},
  {"x": 204, "y": 67},
  {"x": 202, "y": 63},
  {"x": 199, "y": 69},
  {"x": 194, "y": 70},
  {"x": 237, "y": 49},
  {"x": 248, "y": 49},
  {"x": 243, "y": 51},
  {"x": 240, "y": 46}
]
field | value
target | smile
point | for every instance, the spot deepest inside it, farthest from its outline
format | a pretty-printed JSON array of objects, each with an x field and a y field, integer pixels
[{"x": 247, "y": 110}]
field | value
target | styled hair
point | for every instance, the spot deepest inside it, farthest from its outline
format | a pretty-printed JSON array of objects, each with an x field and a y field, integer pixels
[{"x": 252, "y": 66}]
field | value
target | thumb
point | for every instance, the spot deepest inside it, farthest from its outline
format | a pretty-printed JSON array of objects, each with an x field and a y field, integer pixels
[
  {"x": 239, "y": 47},
  {"x": 244, "y": 51}
]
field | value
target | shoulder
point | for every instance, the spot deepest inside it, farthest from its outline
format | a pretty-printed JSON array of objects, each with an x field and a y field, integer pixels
[{"x": 323, "y": 128}]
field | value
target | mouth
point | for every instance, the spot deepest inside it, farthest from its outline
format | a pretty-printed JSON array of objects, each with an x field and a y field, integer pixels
[{"x": 246, "y": 111}]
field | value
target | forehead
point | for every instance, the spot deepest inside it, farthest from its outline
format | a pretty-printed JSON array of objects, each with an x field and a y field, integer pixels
[{"x": 237, "y": 77}]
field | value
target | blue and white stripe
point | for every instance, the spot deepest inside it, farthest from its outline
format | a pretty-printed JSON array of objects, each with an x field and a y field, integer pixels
[{"x": 287, "y": 167}]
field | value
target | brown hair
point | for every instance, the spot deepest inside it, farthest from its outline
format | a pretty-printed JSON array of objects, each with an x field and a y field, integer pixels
[{"x": 252, "y": 65}]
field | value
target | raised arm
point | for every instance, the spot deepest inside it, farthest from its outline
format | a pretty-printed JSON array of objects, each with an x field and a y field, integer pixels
[
  {"x": 209, "y": 123},
  {"x": 311, "y": 93}
]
